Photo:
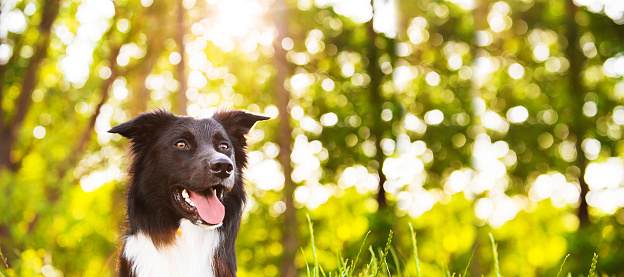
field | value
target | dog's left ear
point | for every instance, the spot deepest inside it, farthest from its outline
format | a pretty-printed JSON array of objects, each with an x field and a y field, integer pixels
[{"x": 238, "y": 123}]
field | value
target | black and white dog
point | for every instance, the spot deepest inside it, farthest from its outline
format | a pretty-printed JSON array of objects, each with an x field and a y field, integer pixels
[{"x": 186, "y": 195}]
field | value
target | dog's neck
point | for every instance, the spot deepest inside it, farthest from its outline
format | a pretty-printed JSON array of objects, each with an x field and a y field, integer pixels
[{"x": 192, "y": 253}]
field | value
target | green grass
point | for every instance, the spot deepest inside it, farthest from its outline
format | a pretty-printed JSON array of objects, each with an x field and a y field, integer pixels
[
  {"x": 561, "y": 268},
  {"x": 415, "y": 250},
  {"x": 469, "y": 261},
  {"x": 592, "y": 269},
  {"x": 6, "y": 271},
  {"x": 495, "y": 255},
  {"x": 316, "y": 265},
  {"x": 378, "y": 265}
]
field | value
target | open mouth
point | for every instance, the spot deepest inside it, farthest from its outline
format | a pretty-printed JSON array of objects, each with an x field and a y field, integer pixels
[{"x": 203, "y": 207}]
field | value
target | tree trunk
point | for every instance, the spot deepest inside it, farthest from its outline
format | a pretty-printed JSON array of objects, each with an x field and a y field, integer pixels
[
  {"x": 10, "y": 127},
  {"x": 6, "y": 141},
  {"x": 87, "y": 133},
  {"x": 289, "y": 227},
  {"x": 23, "y": 101},
  {"x": 382, "y": 221},
  {"x": 374, "y": 71},
  {"x": 180, "y": 98},
  {"x": 54, "y": 192},
  {"x": 156, "y": 32},
  {"x": 479, "y": 16},
  {"x": 578, "y": 126}
]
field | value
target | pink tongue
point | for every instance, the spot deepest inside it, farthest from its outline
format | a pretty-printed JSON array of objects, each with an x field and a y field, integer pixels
[{"x": 209, "y": 207}]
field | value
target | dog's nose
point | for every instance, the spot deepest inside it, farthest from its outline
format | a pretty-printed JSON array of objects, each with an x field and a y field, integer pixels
[{"x": 221, "y": 167}]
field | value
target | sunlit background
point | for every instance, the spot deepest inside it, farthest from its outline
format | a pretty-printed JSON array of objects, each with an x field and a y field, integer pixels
[{"x": 470, "y": 116}]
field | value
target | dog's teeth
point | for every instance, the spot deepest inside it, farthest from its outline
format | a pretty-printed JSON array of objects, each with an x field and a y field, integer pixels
[
  {"x": 189, "y": 201},
  {"x": 187, "y": 198},
  {"x": 218, "y": 193}
]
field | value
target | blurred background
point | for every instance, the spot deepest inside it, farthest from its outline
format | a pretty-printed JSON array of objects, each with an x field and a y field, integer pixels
[{"x": 461, "y": 117}]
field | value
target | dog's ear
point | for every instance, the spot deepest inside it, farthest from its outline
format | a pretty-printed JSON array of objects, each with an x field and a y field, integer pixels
[
  {"x": 238, "y": 123},
  {"x": 141, "y": 128}
]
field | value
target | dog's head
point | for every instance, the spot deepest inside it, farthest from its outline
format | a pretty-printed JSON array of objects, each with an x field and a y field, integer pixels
[{"x": 187, "y": 168}]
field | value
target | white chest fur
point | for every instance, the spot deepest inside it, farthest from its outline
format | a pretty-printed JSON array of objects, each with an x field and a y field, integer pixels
[{"x": 191, "y": 254}]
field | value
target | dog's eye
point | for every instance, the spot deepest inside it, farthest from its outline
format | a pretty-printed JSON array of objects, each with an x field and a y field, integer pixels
[
  {"x": 224, "y": 146},
  {"x": 181, "y": 144}
]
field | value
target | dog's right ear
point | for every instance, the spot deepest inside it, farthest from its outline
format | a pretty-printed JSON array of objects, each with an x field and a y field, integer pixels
[{"x": 141, "y": 128}]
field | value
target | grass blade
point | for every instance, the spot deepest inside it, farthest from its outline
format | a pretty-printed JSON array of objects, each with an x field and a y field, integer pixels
[
  {"x": 470, "y": 260},
  {"x": 358, "y": 255},
  {"x": 341, "y": 262},
  {"x": 415, "y": 250},
  {"x": 383, "y": 255},
  {"x": 6, "y": 265},
  {"x": 561, "y": 268},
  {"x": 316, "y": 265},
  {"x": 445, "y": 268},
  {"x": 396, "y": 262},
  {"x": 592, "y": 269},
  {"x": 306, "y": 261},
  {"x": 495, "y": 255},
  {"x": 372, "y": 265}
]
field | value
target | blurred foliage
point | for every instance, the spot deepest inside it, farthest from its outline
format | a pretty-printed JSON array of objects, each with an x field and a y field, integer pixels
[{"x": 476, "y": 121}]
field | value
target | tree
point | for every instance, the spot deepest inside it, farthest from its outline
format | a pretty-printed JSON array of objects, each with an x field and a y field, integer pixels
[
  {"x": 181, "y": 100},
  {"x": 473, "y": 119},
  {"x": 10, "y": 124},
  {"x": 284, "y": 137}
]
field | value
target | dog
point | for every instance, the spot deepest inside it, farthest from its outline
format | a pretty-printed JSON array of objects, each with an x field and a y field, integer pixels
[{"x": 186, "y": 194}]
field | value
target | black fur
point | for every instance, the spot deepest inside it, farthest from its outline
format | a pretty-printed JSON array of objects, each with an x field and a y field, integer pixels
[{"x": 159, "y": 168}]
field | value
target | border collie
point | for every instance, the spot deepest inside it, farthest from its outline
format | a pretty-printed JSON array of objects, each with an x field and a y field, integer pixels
[{"x": 186, "y": 195}]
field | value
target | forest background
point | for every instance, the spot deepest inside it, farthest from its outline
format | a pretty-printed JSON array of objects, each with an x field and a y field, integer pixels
[{"x": 461, "y": 117}]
